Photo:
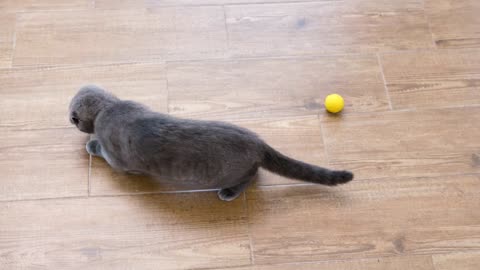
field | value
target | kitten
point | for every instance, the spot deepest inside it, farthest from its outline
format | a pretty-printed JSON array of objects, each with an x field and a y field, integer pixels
[{"x": 185, "y": 153}]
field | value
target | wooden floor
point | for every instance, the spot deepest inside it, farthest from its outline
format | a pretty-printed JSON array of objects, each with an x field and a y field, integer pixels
[{"x": 410, "y": 75}]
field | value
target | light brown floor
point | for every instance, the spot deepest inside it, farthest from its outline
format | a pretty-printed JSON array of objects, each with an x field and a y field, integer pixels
[{"x": 410, "y": 74}]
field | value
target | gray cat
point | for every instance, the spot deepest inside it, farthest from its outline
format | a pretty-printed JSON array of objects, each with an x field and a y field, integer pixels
[{"x": 184, "y": 153}]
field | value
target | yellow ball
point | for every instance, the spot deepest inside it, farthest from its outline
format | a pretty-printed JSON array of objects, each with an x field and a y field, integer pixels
[{"x": 334, "y": 103}]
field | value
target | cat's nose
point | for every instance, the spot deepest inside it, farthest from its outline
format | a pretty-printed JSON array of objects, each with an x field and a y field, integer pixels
[{"x": 74, "y": 120}]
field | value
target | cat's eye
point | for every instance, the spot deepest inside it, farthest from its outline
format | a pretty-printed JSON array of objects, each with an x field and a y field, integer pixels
[{"x": 75, "y": 120}]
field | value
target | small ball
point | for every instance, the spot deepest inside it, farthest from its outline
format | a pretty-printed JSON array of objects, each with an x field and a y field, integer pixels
[{"x": 334, "y": 103}]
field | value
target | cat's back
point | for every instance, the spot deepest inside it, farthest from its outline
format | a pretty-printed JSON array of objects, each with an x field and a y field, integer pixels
[
  {"x": 136, "y": 124},
  {"x": 193, "y": 134},
  {"x": 117, "y": 118},
  {"x": 140, "y": 124},
  {"x": 160, "y": 144}
]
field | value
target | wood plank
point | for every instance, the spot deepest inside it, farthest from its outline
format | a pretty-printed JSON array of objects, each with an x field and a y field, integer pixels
[
  {"x": 460, "y": 260},
  {"x": 42, "y": 163},
  {"x": 47, "y": 91},
  {"x": 393, "y": 263},
  {"x": 327, "y": 27},
  {"x": 454, "y": 23},
  {"x": 129, "y": 232},
  {"x": 43, "y": 155},
  {"x": 236, "y": 89},
  {"x": 433, "y": 78},
  {"x": 7, "y": 21},
  {"x": 365, "y": 219},
  {"x": 80, "y": 37},
  {"x": 124, "y": 4},
  {"x": 405, "y": 144},
  {"x": 44, "y": 5}
]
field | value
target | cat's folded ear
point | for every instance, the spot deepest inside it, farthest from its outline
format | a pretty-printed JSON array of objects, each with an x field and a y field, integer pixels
[
  {"x": 91, "y": 91},
  {"x": 91, "y": 88}
]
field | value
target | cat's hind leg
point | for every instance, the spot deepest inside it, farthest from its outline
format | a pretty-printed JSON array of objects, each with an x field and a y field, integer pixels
[
  {"x": 94, "y": 148},
  {"x": 231, "y": 193}
]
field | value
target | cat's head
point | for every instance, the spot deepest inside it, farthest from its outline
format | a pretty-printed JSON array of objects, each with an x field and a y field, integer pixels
[{"x": 86, "y": 105}]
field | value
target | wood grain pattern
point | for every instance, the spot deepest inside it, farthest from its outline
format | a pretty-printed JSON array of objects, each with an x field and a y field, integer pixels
[
  {"x": 461, "y": 260},
  {"x": 119, "y": 36},
  {"x": 266, "y": 65},
  {"x": 125, "y": 4},
  {"x": 326, "y": 27},
  {"x": 39, "y": 97},
  {"x": 454, "y": 23},
  {"x": 433, "y": 78},
  {"x": 6, "y": 40},
  {"x": 365, "y": 219},
  {"x": 258, "y": 88},
  {"x": 44, "y": 5},
  {"x": 394, "y": 263},
  {"x": 131, "y": 232},
  {"x": 42, "y": 163},
  {"x": 405, "y": 144}
]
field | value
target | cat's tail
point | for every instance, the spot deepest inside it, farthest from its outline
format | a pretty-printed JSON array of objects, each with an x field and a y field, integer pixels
[{"x": 278, "y": 163}]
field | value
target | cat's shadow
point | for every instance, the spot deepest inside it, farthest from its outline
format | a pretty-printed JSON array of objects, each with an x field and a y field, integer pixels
[
  {"x": 263, "y": 200},
  {"x": 179, "y": 206},
  {"x": 200, "y": 206}
]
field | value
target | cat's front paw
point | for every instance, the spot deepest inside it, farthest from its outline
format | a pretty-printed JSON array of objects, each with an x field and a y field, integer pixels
[{"x": 93, "y": 148}]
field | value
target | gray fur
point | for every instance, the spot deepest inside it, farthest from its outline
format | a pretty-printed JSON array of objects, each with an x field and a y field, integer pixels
[{"x": 184, "y": 153}]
